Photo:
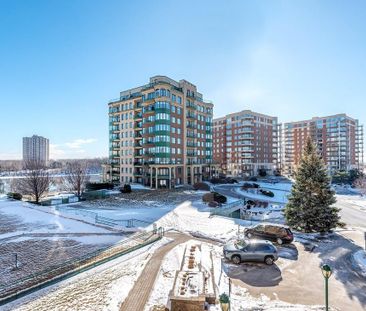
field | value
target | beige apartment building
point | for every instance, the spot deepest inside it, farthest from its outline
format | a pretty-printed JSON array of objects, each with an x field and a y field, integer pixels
[
  {"x": 246, "y": 143},
  {"x": 36, "y": 148},
  {"x": 339, "y": 139},
  {"x": 160, "y": 135}
]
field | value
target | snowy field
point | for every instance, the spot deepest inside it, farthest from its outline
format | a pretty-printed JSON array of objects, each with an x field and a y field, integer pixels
[
  {"x": 147, "y": 206},
  {"x": 102, "y": 288},
  {"x": 41, "y": 239}
]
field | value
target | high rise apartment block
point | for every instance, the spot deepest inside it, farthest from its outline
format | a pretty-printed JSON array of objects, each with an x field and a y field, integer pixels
[
  {"x": 36, "y": 148},
  {"x": 339, "y": 139},
  {"x": 245, "y": 143},
  {"x": 160, "y": 135}
]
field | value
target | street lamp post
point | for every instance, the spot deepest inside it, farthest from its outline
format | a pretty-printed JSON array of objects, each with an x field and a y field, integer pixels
[{"x": 327, "y": 272}]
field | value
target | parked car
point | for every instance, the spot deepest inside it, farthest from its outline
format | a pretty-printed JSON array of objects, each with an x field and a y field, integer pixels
[
  {"x": 272, "y": 232},
  {"x": 251, "y": 250}
]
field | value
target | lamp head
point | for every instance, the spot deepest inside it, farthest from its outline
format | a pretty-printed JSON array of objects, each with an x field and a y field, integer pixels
[{"x": 327, "y": 271}]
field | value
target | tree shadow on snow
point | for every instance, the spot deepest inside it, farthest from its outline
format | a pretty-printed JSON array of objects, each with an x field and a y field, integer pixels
[{"x": 337, "y": 251}]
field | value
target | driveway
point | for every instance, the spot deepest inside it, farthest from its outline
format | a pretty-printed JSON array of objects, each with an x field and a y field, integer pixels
[{"x": 296, "y": 276}]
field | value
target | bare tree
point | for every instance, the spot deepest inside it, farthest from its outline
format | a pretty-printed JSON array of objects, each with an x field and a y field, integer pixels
[
  {"x": 36, "y": 180},
  {"x": 76, "y": 177},
  {"x": 360, "y": 184}
]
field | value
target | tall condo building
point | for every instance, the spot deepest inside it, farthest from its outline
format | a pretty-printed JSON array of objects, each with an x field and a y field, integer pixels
[
  {"x": 339, "y": 139},
  {"x": 36, "y": 148},
  {"x": 160, "y": 135},
  {"x": 245, "y": 143}
]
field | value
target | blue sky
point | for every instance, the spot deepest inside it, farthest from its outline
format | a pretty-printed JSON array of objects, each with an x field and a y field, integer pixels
[{"x": 61, "y": 61}]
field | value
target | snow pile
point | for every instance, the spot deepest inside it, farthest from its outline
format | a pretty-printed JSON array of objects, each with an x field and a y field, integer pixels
[
  {"x": 102, "y": 288},
  {"x": 359, "y": 259},
  {"x": 187, "y": 218}
]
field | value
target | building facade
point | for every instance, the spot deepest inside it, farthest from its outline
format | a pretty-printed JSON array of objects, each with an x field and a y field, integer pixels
[
  {"x": 246, "y": 143},
  {"x": 36, "y": 148},
  {"x": 339, "y": 140},
  {"x": 160, "y": 135}
]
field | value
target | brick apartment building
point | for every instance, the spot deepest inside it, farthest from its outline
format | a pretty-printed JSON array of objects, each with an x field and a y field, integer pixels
[
  {"x": 245, "y": 143},
  {"x": 160, "y": 135},
  {"x": 339, "y": 139}
]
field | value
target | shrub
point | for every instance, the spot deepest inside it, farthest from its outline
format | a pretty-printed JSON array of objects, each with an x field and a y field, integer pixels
[
  {"x": 208, "y": 197},
  {"x": 214, "y": 196},
  {"x": 224, "y": 298},
  {"x": 213, "y": 204},
  {"x": 14, "y": 196},
  {"x": 201, "y": 186},
  {"x": 99, "y": 186},
  {"x": 126, "y": 189},
  {"x": 219, "y": 198},
  {"x": 216, "y": 180},
  {"x": 248, "y": 185},
  {"x": 262, "y": 172},
  {"x": 229, "y": 181},
  {"x": 267, "y": 193}
]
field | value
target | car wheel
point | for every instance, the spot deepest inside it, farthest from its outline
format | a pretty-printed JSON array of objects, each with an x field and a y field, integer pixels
[
  {"x": 269, "y": 260},
  {"x": 249, "y": 235},
  {"x": 279, "y": 241},
  {"x": 236, "y": 259}
]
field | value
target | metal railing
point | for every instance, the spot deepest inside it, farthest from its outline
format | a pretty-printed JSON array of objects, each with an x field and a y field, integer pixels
[
  {"x": 227, "y": 209},
  {"x": 127, "y": 223},
  {"x": 56, "y": 273}
]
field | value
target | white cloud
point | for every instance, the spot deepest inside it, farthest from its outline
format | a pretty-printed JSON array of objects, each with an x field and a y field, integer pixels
[
  {"x": 77, "y": 143},
  {"x": 72, "y": 149}
]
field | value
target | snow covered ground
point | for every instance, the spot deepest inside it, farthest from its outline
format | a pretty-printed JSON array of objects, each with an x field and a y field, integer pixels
[
  {"x": 359, "y": 259},
  {"x": 100, "y": 289},
  {"x": 194, "y": 218},
  {"x": 41, "y": 237},
  {"x": 19, "y": 217}
]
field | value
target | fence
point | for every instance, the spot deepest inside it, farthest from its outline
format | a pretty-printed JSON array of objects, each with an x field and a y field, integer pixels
[
  {"x": 56, "y": 273},
  {"x": 127, "y": 223}
]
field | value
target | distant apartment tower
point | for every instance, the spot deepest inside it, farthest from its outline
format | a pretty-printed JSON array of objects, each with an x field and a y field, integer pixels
[
  {"x": 339, "y": 140},
  {"x": 160, "y": 135},
  {"x": 245, "y": 143},
  {"x": 36, "y": 148}
]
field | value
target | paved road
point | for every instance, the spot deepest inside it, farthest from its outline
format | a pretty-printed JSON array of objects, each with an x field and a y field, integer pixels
[
  {"x": 230, "y": 190},
  {"x": 350, "y": 214}
]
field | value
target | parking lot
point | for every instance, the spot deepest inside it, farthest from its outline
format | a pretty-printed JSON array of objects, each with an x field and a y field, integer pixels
[{"x": 296, "y": 276}]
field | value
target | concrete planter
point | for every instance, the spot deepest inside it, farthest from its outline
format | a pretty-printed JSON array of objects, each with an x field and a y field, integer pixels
[{"x": 224, "y": 306}]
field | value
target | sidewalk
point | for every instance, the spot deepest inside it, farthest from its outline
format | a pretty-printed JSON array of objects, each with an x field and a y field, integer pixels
[{"x": 139, "y": 294}]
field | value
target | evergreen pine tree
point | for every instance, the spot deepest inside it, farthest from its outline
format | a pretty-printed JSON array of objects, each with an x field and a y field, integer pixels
[{"x": 310, "y": 206}]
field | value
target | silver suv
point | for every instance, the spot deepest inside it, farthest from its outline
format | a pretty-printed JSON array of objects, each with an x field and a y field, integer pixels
[{"x": 253, "y": 250}]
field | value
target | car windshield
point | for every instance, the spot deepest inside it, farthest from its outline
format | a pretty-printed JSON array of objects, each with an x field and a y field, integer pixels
[{"x": 240, "y": 244}]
